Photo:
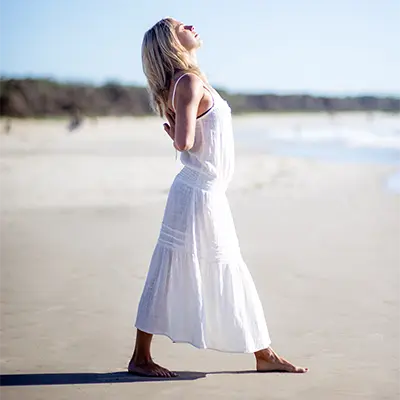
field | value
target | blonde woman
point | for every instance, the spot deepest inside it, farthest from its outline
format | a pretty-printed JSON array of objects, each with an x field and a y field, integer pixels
[{"x": 198, "y": 289}]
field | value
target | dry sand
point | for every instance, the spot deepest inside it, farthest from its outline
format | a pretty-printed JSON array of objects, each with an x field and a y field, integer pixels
[{"x": 80, "y": 217}]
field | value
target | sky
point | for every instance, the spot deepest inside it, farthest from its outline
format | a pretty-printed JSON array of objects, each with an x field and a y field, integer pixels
[{"x": 283, "y": 46}]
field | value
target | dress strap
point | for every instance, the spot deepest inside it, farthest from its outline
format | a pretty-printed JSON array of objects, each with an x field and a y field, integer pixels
[
  {"x": 174, "y": 91},
  {"x": 176, "y": 84}
]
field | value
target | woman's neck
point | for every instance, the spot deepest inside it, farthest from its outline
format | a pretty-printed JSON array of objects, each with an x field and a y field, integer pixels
[{"x": 193, "y": 56}]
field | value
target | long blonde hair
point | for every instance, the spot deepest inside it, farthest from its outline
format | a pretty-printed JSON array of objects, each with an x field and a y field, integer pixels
[{"x": 162, "y": 57}]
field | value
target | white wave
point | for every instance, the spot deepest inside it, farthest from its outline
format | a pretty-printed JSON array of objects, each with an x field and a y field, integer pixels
[{"x": 348, "y": 136}]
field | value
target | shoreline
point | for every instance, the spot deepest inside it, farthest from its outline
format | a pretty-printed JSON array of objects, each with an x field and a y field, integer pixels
[
  {"x": 119, "y": 162},
  {"x": 237, "y": 114}
]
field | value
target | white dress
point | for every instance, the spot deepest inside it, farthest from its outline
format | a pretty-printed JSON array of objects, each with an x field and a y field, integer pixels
[{"x": 198, "y": 288}]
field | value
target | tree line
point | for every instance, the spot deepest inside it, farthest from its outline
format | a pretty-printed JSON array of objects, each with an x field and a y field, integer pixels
[{"x": 22, "y": 98}]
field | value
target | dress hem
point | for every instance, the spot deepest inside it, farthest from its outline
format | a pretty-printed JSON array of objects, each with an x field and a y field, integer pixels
[{"x": 199, "y": 347}]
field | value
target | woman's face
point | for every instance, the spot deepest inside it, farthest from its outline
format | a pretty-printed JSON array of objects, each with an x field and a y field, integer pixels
[{"x": 187, "y": 36}]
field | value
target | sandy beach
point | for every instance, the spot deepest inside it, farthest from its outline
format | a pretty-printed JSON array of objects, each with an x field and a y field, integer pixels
[{"x": 80, "y": 215}]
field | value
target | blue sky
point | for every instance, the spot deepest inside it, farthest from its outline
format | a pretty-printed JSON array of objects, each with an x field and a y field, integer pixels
[{"x": 331, "y": 46}]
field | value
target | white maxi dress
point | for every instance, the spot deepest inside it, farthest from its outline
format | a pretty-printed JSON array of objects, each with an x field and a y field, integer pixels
[{"x": 198, "y": 289}]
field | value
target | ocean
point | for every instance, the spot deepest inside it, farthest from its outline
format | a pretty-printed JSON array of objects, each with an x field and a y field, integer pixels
[{"x": 351, "y": 138}]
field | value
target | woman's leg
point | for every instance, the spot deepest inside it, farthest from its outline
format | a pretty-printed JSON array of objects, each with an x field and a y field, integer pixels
[
  {"x": 268, "y": 360},
  {"x": 141, "y": 362}
]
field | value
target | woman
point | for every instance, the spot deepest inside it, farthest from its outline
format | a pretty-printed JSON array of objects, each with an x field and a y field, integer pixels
[{"x": 198, "y": 289}]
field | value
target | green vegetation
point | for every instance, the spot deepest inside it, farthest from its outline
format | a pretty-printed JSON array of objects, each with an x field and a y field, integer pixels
[{"x": 39, "y": 98}]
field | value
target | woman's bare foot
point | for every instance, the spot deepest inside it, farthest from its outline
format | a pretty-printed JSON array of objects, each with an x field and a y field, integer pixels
[
  {"x": 141, "y": 362},
  {"x": 268, "y": 361},
  {"x": 149, "y": 369}
]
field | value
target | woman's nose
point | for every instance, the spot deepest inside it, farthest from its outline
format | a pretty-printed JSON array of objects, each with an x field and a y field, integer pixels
[{"x": 190, "y": 27}]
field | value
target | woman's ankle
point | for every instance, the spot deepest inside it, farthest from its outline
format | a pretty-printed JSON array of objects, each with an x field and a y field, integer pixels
[
  {"x": 261, "y": 354},
  {"x": 139, "y": 358}
]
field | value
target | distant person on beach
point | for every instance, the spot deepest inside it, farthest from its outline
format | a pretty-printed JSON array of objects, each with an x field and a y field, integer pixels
[
  {"x": 198, "y": 288},
  {"x": 75, "y": 120},
  {"x": 8, "y": 126}
]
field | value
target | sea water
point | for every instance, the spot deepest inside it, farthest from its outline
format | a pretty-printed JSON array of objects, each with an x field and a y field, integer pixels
[{"x": 350, "y": 138}]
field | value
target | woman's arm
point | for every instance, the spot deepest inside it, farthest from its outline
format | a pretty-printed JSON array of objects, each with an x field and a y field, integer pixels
[{"x": 189, "y": 93}]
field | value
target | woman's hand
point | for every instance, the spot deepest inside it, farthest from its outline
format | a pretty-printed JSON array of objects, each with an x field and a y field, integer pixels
[{"x": 170, "y": 127}]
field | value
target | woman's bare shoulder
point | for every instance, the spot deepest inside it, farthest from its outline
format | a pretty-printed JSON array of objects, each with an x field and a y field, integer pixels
[{"x": 190, "y": 86}]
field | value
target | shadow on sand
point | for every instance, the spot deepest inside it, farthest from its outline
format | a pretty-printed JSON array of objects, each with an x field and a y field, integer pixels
[{"x": 93, "y": 378}]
